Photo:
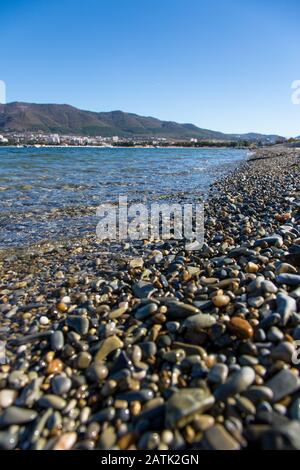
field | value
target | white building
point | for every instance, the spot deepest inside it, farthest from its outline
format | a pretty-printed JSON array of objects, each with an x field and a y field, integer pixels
[{"x": 55, "y": 139}]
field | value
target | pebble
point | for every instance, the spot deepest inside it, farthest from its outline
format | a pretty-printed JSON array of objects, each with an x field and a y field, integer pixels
[
  {"x": 256, "y": 302},
  {"x": 146, "y": 311},
  {"x": 244, "y": 405},
  {"x": 241, "y": 328},
  {"x": 62, "y": 307},
  {"x": 142, "y": 395},
  {"x": 282, "y": 384},
  {"x": 55, "y": 367},
  {"x": 272, "y": 240},
  {"x": 286, "y": 268},
  {"x": 185, "y": 404},
  {"x": 44, "y": 320},
  {"x": 294, "y": 410},
  {"x": 181, "y": 310},
  {"x": 16, "y": 415},
  {"x": 203, "y": 422},
  {"x": 218, "y": 374},
  {"x": 221, "y": 300},
  {"x": 7, "y": 397},
  {"x": 269, "y": 287},
  {"x": 127, "y": 440},
  {"x": 107, "y": 438},
  {"x": 274, "y": 334},
  {"x": 83, "y": 360},
  {"x": 283, "y": 352},
  {"x": 217, "y": 438},
  {"x": 52, "y": 401},
  {"x": 136, "y": 263},
  {"x": 283, "y": 437},
  {"x": 118, "y": 312},
  {"x": 252, "y": 267},
  {"x": 286, "y": 305},
  {"x": 8, "y": 441},
  {"x": 57, "y": 340},
  {"x": 143, "y": 289},
  {"x": 61, "y": 384},
  {"x": 65, "y": 441},
  {"x": 236, "y": 383},
  {"x": 198, "y": 322},
  {"x": 149, "y": 441},
  {"x": 107, "y": 346},
  {"x": 288, "y": 279},
  {"x": 78, "y": 324}
]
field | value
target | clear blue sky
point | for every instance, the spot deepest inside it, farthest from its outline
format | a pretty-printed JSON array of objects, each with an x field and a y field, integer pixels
[{"x": 225, "y": 65}]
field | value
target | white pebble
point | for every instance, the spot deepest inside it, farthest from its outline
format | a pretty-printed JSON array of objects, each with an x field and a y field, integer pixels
[
  {"x": 7, "y": 397},
  {"x": 44, "y": 320},
  {"x": 21, "y": 349}
]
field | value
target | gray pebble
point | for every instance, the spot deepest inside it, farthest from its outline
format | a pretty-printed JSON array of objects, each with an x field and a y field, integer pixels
[
  {"x": 57, "y": 340},
  {"x": 282, "y": 384},
  {"x": 236, "y": 383},
  {"x": 61, "y": 384},
  {"x": 15, "y": 415},
  {"x": 52, "y": 401},
  {"x": 185, "y": 404},
  {"x": 196, "y": 323},
  {"x": 218, "y": 374}
]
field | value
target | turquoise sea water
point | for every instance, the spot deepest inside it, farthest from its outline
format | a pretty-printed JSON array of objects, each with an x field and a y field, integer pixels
[{"x": 46, "y": 192}]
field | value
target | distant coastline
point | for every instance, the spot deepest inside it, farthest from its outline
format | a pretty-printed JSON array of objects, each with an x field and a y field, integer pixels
[{"x": 123, "y": 147}]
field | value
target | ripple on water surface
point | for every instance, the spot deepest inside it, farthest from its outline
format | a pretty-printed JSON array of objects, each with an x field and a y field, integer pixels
[{"x": 45, "y": 193}]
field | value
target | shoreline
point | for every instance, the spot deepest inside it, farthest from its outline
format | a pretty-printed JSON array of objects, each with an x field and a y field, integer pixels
[
  {"x": 125, "y": 147},
  {"x": 69, "y": 213},
  {"x": 157, "y": 348}
]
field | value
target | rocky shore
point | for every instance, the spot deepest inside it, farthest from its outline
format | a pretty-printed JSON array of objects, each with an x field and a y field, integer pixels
[{"x": 156, "y": 347}]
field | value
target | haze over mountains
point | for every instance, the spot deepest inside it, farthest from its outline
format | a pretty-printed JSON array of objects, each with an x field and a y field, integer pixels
[{"x": 66, "y": 119}]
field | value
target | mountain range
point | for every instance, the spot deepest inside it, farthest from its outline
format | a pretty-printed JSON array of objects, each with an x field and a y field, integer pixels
[{"x": 66, "y": 119}]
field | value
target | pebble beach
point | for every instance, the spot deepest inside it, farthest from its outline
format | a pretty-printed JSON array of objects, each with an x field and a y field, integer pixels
[{"x": 154, "y": 347}]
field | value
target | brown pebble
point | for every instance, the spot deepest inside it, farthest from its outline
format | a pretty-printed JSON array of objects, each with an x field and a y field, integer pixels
[
  {"x": 62, "y": 307},
  {"x": 241, "y": 328},
  {"x": 65, "y": 441},
  {"x": 135, "y": 408},
  {"x": 55, "y": 367},
  {"x": 127, "y": 440},
  {"x": 221, "y": 300},
  {"x": 203, "y": 422},
  {"x": 283, "y": 217},
  {"x": 252, "y": 268}
]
